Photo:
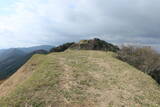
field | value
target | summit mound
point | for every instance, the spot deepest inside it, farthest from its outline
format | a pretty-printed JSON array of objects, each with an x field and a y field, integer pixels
[{"x": 92, "y": 44}]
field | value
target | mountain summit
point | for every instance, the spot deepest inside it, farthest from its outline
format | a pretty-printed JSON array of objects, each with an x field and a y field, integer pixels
[{"x": 92, "y": 44}]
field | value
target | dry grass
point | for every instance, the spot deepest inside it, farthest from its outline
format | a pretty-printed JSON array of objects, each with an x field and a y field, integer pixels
[
  {"x": 1, "y": 81},
  {"x": 79, "y": 79}
]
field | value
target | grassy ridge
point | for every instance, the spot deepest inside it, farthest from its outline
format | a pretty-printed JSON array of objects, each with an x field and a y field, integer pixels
[{"x": 79, "y": 79}]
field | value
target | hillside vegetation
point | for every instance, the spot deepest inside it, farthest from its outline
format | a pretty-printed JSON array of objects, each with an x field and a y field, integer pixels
[
  {"x": 10, "y": 62},
  {"x": 79, "y": 79},
  {"x": 145, "y": 59},
  {"x": 12, "y": 59}
]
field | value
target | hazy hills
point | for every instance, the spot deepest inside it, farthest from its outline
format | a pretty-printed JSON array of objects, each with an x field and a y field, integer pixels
[
  {"x": 41, "y": 47},
  {"x": 27, "y": 49}
]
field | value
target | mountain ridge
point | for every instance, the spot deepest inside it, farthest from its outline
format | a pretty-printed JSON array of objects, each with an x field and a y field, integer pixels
[{"x": 79, "y": 78}]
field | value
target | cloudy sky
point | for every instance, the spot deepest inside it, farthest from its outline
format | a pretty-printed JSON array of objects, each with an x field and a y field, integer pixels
[{"x": 36, "y": 22}]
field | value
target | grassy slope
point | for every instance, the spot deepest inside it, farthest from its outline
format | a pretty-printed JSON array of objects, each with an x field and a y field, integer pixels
[{"x": 79, "y": 79}]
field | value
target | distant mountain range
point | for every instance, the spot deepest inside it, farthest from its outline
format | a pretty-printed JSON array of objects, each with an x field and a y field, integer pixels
[{"x": 12, "y": 59}]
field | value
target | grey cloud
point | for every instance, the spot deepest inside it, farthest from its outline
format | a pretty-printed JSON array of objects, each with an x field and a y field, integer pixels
[{"x": 58, "y": 21}]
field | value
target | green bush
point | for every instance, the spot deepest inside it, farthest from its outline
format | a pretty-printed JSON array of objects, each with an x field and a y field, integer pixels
[{"x": 61, "y": 48}]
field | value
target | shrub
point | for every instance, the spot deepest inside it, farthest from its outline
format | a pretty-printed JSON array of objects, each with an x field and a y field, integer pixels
[
  {"x": 145, "y": 59},
  {"x": 61, "y": 48}
]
